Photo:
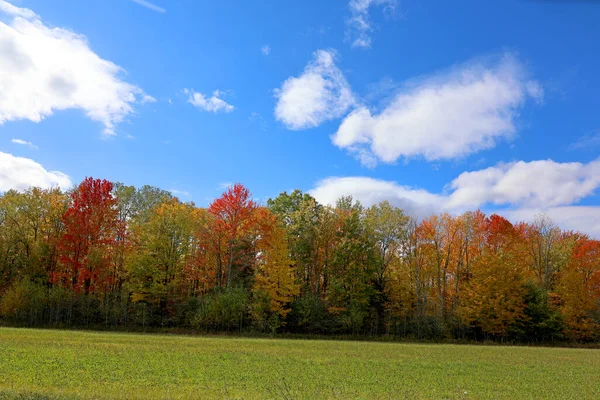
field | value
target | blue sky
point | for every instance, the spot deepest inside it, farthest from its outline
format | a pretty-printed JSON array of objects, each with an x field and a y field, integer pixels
[{"x": 435, "y": 106}]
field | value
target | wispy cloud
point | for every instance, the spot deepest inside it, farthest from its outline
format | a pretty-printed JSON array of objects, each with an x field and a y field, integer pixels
[
  {"x": 266, "y": 50},
  {"x": 257, "y": 118},
  {"x": 24, "y": 143},
  {"x": 360, "y": 24},
  {"x": 586, "y": 142},
  {"x": 224, "y": 185},
  {"x": 149, "y": 5}
]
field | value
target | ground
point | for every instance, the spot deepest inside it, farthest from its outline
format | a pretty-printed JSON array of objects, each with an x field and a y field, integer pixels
[{"x": 40, "y": 364}]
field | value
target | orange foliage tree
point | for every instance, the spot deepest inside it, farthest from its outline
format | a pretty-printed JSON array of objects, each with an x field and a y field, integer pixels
[{"x": 579, "y": 291}]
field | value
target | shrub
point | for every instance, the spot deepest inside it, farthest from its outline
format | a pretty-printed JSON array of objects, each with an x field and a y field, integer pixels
[{"x": 223, "y": 310}]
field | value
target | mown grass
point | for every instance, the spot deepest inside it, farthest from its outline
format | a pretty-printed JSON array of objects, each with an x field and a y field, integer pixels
[{"x": 51, "y": 364}]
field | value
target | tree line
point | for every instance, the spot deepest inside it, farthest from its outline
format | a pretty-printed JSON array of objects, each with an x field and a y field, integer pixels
[{"x": 112, "y": 255}]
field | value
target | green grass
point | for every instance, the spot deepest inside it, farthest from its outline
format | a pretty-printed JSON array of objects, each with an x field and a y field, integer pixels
[{"x": 50, "y": 364}]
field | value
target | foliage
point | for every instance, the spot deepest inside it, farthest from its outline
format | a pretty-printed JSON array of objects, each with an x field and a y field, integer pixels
[
  {"x": 274, "y": 280},
  {"x": 89, "y": 238},
  {"x": 224, "y": 309},
  {"x": 119, "y": 256}
]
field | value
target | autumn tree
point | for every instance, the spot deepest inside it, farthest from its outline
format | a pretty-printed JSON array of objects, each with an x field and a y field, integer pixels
[
  {"x": 201, "y": 265},
  {"x": 121, "y": 255},
  {"x": 233, "y": 212},
  {"x": 579, "y": 291},
  {"x": 493, "y": 298},
  {"x": 91, "y": 229},
  {"x": 163, "y": 245},
  {"x": 274, "y": 284},
  {"x": 30, "y": 228}
]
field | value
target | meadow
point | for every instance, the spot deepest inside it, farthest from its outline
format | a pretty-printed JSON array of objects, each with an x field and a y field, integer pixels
[{"x": 49, "y": 364}]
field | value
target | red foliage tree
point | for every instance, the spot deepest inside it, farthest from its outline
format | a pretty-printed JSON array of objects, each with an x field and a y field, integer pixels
[
  {"x": 234, "y": 212},
  {"x": 501, "y": 234},
  {"x": 91, "y": 232}
]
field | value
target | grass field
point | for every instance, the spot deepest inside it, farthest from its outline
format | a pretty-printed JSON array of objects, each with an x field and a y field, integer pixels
[{"x": 37, "y": 364}]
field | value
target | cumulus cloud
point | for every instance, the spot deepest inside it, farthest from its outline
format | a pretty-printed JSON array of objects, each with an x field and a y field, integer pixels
[
  {"x": 319, "y": 94},
  {"x": 359, "y": 24},
  {"x": 584, "y": 219},
  {"x": 24, "y": 143},
  {"x": 523, "y": 189},
  {"x": 44, "y": 69},
  {"x": 369, "y": 191},
  {"x": 20, "y": 173},
  {"x": 543, "y": 183},
  {"x": 213, "y": 103},
  {"x": 445, "y": 116}
]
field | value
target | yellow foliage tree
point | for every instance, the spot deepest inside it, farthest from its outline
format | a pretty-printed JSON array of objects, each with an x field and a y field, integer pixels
[
  {"x": 274, "y": 280},
  {"x": 492, "y": 299}
]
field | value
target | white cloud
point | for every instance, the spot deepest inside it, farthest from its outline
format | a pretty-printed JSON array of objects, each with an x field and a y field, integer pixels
[
  {"x": 369, "y": 191},
  {"x": 543, "y": 183},
  {"x": 149, "y": 5},
  {"x": 524, "y": 189},
  {"x": 7, "y": 8},
  {"x": 359, "y": 24},
  {"x": 321, "y": 93},
  {"x": 44, "y": 69},
  {"x": 147, "y": 99},
  {"x": 446, "y": 116},
  {"x": 20, "y": 173},
  {"x": 211, "y": 104},
  {"x": 24, "y": 143},
  {"x": 585, "y": 219},
  {"x": 266, "y": 50}
]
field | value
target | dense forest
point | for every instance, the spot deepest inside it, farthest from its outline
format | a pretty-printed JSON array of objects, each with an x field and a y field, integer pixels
[{"x": 119, "y": 257}]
